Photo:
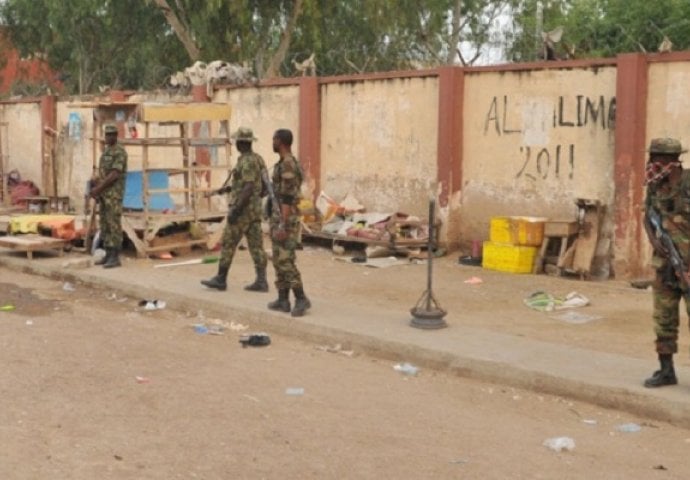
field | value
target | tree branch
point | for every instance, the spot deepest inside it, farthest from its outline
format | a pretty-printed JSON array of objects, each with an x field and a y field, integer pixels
[
  {"x": 183, "y": 34},
  {"x": 273, "y": 69}
]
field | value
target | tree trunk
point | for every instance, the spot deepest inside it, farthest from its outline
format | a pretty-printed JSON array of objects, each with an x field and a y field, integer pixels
[
  {"x": 273, "y": 69},
  {"x": 183, "y": 34},
  {"x": 455, "y": 34}
]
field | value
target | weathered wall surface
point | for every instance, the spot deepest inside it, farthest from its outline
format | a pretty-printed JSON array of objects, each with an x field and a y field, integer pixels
[
  {"x": 264, "y": 110},
  {"x": 379, "y": 140},
  {"x": 668, "y": 109},
  {"x": 21, "y": 140},
  {"x": 534, "y": 141}
]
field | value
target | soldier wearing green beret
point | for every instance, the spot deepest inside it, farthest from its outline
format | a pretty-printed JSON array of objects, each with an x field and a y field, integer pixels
[
  {"x": 108, "y": 187},
  {"x": 668, "y": 193}
]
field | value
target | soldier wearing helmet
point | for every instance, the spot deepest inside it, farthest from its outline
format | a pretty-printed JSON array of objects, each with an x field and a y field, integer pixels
[{"x": 668, "y": 194}]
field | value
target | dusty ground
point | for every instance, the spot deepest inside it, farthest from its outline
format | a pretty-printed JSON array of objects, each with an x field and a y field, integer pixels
[{"x": 72, "y": 406}]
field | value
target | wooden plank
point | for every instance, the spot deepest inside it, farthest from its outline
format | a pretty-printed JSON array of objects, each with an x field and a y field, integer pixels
[
  {"x": 32, "y": 243},
  {"x": 128, "y": 228},
  {"x": 185, "y": 112}
]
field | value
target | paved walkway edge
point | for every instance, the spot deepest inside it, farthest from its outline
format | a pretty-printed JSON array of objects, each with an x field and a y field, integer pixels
[{"x": 635, "y": 402}]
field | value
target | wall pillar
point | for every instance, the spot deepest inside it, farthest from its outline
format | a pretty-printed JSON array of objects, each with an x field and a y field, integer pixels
[
  {"x": 49, "y": 135},
  {"x": 450, "y": 131},
  {"x": 310, "y": 132},
  {"x": 629, "y": 164}
]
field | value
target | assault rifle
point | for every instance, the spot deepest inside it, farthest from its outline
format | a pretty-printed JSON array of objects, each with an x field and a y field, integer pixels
[
  {"x": 272, "y": 200},
  {"x": 679, "y": 267}
]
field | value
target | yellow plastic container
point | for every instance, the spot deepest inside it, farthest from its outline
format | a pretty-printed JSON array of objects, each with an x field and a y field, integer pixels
[
  {"x": 525, "y": 231},
  {"x": 508, "y": 258}
]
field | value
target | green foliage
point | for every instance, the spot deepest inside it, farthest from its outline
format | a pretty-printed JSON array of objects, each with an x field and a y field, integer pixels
[
  {"x": 603, "y": 28},
  {"x": 122, "y": 44}
]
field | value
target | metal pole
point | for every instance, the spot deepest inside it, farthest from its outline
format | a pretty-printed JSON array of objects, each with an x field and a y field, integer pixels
[{"x": 429, "y": 251}]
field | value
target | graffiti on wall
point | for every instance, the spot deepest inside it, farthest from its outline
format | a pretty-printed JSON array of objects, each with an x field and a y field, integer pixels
[{"x": 538, "y": 117}]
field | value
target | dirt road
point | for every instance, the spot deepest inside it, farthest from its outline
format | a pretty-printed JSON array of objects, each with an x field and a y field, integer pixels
[{"x": 95, "y": 387}]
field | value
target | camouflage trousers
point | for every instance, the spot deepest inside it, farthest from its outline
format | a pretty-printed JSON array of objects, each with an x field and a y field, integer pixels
[
  {"x": 667, "y": 296},
  {"x": 110, "y": 223},
  {"x": 255, "y": 242},
  {"x": 285, "y": 258}
]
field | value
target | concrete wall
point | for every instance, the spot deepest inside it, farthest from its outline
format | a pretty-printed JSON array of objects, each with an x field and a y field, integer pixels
[
  {"x": 264, "y": 110},
  {"x": 378, "y": 141},
  {"x": 534, "y": 141},
  {"x": 21, "y": 140}
]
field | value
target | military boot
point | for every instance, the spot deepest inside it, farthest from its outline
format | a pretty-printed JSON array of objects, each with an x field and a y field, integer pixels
[
  {"x": 219, "y": 282},
  {"x": 302, "y": 303},
  {"x": 666, "y": 375},
  {"x": 282, "y": 304},
  {"x": 104, "y": 259},
  {"x": 113, "y": 260},
  {"x": 260, "y": 284}
]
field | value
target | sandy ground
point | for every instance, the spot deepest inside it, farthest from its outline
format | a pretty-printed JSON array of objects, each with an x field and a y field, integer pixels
[{"x": 203, "y": 407}]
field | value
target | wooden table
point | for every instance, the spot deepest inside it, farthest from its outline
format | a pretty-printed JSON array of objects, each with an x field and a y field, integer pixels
[{"x": 32, "y": 243}]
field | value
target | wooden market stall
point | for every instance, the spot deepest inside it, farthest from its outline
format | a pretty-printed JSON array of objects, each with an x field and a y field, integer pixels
[{"x": 182, "y": 161}]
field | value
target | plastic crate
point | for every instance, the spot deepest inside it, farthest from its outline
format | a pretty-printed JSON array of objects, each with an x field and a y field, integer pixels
[
  {"x": 508, "y": 258},
  {"x": 526, "y": 231}
]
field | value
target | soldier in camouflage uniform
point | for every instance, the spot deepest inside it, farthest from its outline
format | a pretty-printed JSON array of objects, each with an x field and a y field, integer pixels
[
  {"x": 285, "y": 222},
  {"x": 108, "y": 187},
  {"x": 244, "y": 215},
  {"x": 668, "y": 192}
]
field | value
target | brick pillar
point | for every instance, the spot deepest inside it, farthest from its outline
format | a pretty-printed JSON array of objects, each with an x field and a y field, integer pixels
[
  {"x": 450, "y": 131},
  {"x": 310, "y": 131},
  {"x": 630, "y": 157}
]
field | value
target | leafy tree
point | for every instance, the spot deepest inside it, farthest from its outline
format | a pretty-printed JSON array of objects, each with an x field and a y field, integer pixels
[
  {"x": 90, "y": 43},
  {"x": 602, "y": 28}
]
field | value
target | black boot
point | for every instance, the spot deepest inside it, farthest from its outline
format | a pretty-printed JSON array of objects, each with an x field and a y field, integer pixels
[
  {"x": 104, "y": 259},
  {"x": 302, "y": 303},
  {"x": 260, "y": 284},
  {"x": 113, "y": 260},
  {"x": 664, "y": 376},
  {"x": 282, "y": 304},
  {"x": 219, "y": 282}
]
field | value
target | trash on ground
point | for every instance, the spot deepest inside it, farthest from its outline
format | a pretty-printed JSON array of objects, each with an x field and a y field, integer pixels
[
  {"x": 7, "y": 308},
  {"x": 575, "y": 317},
  {"x": 337, "y": 348},
  {"x": 142, "y": 379},
  {"x": 459, "y": 461},
  {"x": 196, "y": 261},
  {"x": 68, "y": 287},
  {"x": 294, "y": 391},
  {"x": 545, "y": 302},
  {"x": 558, "y": 444},
  {"x": 659, "y": 467},
  {"x": 628, "y": 428},
  {"x": 201, "y": 329},
  {"x": 474, "y": 281},
  {"x": 255, "y": 340},
  {"x": 152, "y": 304},
  {"x": 470, "y": 261},
  {"x": 406, "y": 369},
  {"x": 589, "y": 421},
  {"x": 29, "y": 322}
]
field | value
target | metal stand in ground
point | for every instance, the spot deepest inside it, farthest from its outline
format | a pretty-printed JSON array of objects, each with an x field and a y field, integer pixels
[{"x": 427, "y": 313}]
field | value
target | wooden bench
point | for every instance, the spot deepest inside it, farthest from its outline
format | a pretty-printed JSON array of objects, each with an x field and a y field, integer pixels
[{"x": 32, "y": 243}]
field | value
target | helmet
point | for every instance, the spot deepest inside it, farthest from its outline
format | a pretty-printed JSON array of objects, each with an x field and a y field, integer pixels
[
  {"x": 110, "y": 128},
  {"x": 666, "y": 146},
  {"x": 243, "y": 134}
]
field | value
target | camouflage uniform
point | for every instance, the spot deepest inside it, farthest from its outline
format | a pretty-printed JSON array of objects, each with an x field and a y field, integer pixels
[
  {"x": 673, "y": 205},
  {"x": 110, "y": 200},
  {"x": 248, "y": 169},
  {"x": 287, "y": 182}
]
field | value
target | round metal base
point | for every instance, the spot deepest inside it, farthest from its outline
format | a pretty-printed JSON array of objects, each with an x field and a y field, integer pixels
[{"x": 428, "y": 319}]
